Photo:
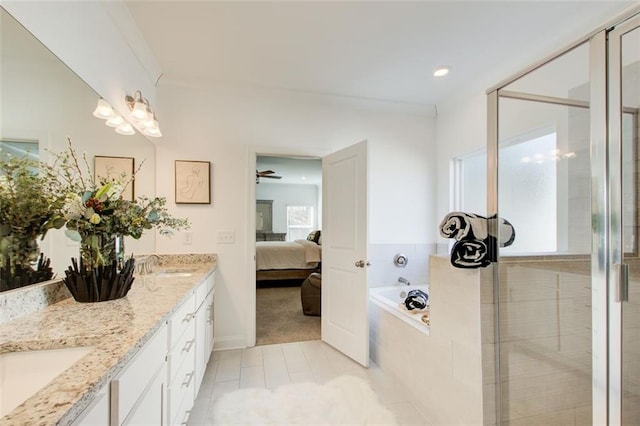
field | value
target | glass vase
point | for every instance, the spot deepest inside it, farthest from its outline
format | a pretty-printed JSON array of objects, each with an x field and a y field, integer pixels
[{"x": 100, "y": 250}]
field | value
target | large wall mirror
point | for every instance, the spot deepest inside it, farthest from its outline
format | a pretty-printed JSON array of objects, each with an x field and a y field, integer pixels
[{"x": 43, "y": 102}]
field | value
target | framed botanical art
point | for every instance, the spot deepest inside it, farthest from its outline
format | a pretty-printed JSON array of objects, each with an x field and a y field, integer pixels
[
  {"x": 109, "y": 168},
  {"x": 193, "y": 182}
]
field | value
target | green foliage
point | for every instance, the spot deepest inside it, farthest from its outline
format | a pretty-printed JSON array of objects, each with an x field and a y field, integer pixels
[
  {"x": 31, "y": 199},
  {"x": 95, "y": 211}
]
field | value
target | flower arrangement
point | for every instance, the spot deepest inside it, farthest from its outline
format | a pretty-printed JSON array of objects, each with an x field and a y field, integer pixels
[
  {"x": 31, "y": 200},
  {"x": 95, "y": 212}
]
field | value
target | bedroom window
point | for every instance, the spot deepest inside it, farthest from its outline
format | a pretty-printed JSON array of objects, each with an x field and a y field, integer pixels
[{"x": 300, "y": 222}]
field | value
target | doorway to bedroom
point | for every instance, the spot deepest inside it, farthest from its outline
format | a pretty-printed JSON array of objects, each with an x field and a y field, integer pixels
[{"x": 288, "y": 207}]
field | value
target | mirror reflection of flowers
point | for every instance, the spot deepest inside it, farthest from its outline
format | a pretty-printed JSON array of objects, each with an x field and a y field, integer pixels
[
  {"x": 97, "y": 216},
  {"x": 30, "y": 205}
]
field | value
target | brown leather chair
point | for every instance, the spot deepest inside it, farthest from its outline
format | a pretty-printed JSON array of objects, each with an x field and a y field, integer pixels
[{"x": 310, "y": 295}]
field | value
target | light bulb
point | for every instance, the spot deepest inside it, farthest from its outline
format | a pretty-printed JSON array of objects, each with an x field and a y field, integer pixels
[
  {"x": 115, "y": 121},
  {"x": 148, "y": 122},
  {"x": 103, "y": 110},
  {"x": 125, "y": 129},
  {"x": 139, "y": 111},
  {"x": 153, "y": 132}
]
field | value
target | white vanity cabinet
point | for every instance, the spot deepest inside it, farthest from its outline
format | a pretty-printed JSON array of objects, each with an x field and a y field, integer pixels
[
  {"x": 137, "y": 393},
  {"x": 160, "y": 383}
]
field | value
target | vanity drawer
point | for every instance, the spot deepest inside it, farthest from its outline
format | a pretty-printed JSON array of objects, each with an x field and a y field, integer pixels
[
  {"x": 181, "y": 391},
  {"x": 183, "y": 413},
  {"x": 184, "y": 348},
  {"x": 181, "y": 320},
  {"x": 203, "y": 290}
]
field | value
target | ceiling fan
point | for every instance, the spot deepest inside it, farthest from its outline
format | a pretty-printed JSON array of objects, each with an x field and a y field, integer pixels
[{"x": 266, "y": 174}]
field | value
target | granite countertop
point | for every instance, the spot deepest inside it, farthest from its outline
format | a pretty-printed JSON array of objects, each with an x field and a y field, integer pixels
[{"x": 117, "y": 329}]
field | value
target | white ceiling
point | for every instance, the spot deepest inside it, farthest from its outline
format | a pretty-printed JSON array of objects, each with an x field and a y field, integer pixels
[{"x": 382, "y": 50}]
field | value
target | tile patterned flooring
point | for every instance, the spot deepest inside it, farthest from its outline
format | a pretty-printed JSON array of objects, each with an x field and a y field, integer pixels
[{"x": 313, "y": 361}]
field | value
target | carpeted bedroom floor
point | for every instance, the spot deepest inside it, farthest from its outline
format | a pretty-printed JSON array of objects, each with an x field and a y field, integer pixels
[{"x": 279, "y": 317}]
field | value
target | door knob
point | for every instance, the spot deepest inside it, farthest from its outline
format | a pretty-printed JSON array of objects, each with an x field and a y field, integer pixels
[{"x": 362, "y": 263}]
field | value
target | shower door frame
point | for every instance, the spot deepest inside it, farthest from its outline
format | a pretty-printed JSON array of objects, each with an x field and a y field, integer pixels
[
  {"x": 606, "y": 247},
  {"x": 618, "y": 272}
]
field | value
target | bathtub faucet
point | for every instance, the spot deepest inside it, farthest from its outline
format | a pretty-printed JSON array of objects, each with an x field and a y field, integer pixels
[{"x": 404, "y": 281}]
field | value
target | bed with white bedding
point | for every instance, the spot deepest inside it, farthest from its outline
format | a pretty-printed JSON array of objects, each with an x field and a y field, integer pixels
[{"x": 278, "y": 260}]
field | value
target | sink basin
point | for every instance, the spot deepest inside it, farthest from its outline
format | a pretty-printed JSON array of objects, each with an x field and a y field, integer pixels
[
  {"x": 23, "y": 374},
  {"x": 175, "y": 273}
]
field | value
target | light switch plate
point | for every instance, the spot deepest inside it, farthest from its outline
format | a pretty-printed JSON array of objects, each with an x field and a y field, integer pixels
[
  {"x": 226, "y": 237},
  {"x": 187, "y": 237}
]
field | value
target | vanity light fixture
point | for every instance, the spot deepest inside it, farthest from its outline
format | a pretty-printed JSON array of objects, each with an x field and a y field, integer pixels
[
  {"x": 103, "y": 110},
  {"x": 441, "y": 71},
  {"x": 143, "y": 115},
  {"x": 113, "y": 119}
]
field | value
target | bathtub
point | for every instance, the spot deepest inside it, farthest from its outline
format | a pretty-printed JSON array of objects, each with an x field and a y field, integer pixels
[{"x": 391, "y": 299}]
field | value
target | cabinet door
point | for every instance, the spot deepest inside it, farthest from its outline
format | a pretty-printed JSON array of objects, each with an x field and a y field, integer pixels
[
  {"x": 135, "y": 378},
  {"x": 201, "y": 343},
  {"x": 210, "y": 325},
  {"x": 149, "y": 409}
]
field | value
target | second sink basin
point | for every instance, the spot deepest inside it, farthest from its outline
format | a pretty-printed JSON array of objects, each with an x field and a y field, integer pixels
[
  {"x": 23, "y": 374},
  {"x": 164, "y": 274},
  {"x": 175, "y": 273}
]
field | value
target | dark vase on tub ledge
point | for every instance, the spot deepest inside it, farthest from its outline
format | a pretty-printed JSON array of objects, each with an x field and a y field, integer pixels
[{"x": 102, "y": 273}]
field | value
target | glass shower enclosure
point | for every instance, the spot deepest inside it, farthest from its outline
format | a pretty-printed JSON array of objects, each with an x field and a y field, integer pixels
[{"x": 563, "y": 343}]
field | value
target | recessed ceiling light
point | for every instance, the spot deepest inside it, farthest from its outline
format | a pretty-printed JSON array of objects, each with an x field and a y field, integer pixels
[{"x": 441, "y": 71}]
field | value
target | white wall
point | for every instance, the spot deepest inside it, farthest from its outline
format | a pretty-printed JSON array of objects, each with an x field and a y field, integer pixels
[
  {"x": 284, "y": 195},
  {"x": 462, "y": 128},
  {"x": 228, "y": 126}
]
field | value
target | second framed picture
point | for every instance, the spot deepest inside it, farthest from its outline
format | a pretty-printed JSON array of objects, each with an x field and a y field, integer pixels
[
  {"x": 193, "y": 182},
  {"x": 109, "y": 168}
]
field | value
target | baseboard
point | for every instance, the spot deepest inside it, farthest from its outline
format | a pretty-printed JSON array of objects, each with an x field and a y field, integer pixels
[{"x": 229, "y": 342}]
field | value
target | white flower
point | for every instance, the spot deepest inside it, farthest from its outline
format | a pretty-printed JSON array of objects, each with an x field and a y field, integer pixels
[
  {"x": 115, "y": 190},
  {"x": 73, "y": 208},
  {"x": 88, "y": 213}
]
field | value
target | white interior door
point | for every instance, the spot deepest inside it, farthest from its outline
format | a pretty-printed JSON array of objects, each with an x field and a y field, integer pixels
[{"x": 345, "y": 321}]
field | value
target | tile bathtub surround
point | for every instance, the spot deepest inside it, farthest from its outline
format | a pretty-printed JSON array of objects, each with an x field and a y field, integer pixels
[
  {"x": 117, "y": 329},
  {"x": 383, "y": 272},
  {"x": 444, "y": 368}
]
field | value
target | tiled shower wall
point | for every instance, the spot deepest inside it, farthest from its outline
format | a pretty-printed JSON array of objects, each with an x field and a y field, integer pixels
[{"x": 545, "y": 333}]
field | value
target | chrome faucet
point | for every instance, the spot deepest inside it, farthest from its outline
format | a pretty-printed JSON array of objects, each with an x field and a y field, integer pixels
[
  {"x": 404, "y": 281},
  {"x": 146, "y": 263}
]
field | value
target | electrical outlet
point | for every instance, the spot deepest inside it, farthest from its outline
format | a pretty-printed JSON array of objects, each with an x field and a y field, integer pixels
[
  {"x": 187, "y": 237},
  {"x": 226, "y": 237}
]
